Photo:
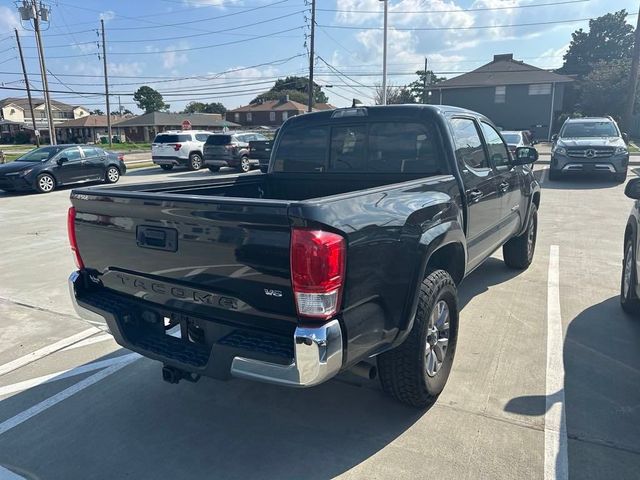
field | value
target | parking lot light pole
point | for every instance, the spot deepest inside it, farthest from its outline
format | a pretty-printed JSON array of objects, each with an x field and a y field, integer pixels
[{"x": 384, "y": 53}]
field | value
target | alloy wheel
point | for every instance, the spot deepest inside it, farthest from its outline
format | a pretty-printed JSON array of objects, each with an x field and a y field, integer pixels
[
  {"x": 437, "y": 338},
  {"x": 628, "y": 269},
  {"x": 46, "y": 183},
  {"x": 244, "y": 164},
  {"x": 113, "y": 175}
]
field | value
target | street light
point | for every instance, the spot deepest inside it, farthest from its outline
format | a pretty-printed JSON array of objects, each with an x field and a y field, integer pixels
[{"x": 384, "y": 54}]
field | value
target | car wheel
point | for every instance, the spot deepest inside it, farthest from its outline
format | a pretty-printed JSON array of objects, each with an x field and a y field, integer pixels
[
  {"x": 245, "y": 166},
  {"x": 45, "y": 183},
  {"x": 166, "y": 167},
  {"x": 214, "y": 169},
  {"x": 554, "y": 174},
  {"x": 112, "y": 175},
  {"x": 518, "y": 252},
  {"x": 628, "y": 298},
  {"x": 195, "y": 161},
  {"x": 416, "y": 372}
]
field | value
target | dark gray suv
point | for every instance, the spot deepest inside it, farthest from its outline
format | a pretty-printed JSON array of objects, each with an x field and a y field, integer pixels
[
  {"x": 589, "y": 145},
  {"x": 230, "y": 150}
]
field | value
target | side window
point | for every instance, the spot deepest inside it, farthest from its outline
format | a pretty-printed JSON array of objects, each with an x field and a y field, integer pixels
[
  {"x": 302, "y": 150},
  {"x": 348, "y": 148},
  {"x": 498, "y": 152},
  {"x": 469, "y": 148},
  {"x": 90, "y": 152},
  {"x": 73, "y": 154},
  {"x": 260, "y": 138}
]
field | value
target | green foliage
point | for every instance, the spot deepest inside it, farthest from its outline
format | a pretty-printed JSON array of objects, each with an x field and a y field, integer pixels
[
  {"x": 97, "y": 111},
  {"x": 417, "y": 87},
  {"x": 199, "y": 107},
  {"x": 149, "y": 100},
  {"x": 293, "y": 86},
  {"x": 610, "y": 37},
  {"x": 605, "y": 90}
]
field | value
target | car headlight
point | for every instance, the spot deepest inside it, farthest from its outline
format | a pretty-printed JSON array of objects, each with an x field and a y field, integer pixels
[
  {"x": 560, "y": 151},
  {"x": 621, "y": 151}
]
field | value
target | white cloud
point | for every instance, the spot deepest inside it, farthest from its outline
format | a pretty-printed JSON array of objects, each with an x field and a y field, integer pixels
[
  {"x": 107, "y": 15},
  {"x": 125, "y": 68},
  {"x": 171, "y": 58},
  {"x": 9, "y": 20}
]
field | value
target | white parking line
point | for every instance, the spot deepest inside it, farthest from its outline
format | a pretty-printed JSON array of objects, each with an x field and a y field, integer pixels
[
  {"x": 89, "y": 341},
  {"x": 48, "y": 350},
  {"x": 71, "y": 372},
  {"x": 59, "y": 397},
  {"x": 555, "y": 428},
  {"x": 6, "y": 474}
]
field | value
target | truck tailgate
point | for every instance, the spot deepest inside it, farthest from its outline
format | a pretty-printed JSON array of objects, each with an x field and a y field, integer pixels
[{"x": 226, "y": 259}]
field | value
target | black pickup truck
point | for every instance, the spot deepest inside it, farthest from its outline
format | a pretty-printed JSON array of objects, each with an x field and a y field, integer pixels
[{"x": 346, "y": 254}]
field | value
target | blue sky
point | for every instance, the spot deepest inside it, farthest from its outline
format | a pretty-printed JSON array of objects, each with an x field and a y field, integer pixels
[{"x": 230, "y": 50}]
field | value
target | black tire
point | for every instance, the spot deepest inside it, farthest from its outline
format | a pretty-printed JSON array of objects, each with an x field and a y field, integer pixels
[
  {"x": 518, "y": 252},
  {"x": 214, "y": 169},
  {"x": 245, "y": 165},
  {"x": 629, "y": 300},
  {"x": 166, "y": 168},
  {"x": 195, "y": 161},
  {"x": 404, "y": 371},
  {"x": 45, "y": 183},
  {"x": 554, "y": 174},
  {"x": 112, "y": 175}
]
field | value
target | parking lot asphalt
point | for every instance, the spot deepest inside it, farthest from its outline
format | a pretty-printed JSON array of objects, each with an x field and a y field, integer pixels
[{"x": 75, "y": 405}]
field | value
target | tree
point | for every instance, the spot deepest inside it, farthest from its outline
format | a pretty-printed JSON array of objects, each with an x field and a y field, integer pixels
[
  {"x": 149, "y": 100},
  {"x": 97, "y": 111},
  {"x": 610, "y": 37},
  {"x": 291, "y": 84},
  {"x": 605, "y": 90},
  {"x": 417, "y": 87},
  {"x": 199, "y": 107},
  {"x": 395, "y": 95}
]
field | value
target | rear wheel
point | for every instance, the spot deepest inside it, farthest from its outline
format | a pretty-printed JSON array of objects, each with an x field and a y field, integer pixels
[
  {"x": 45, "y": 183},
  {"x": 214, "y": 169},
  {"x": 112, "y": 175},
  {"x": 245, "y": 166},
  {"x": 166, "y": 167},
  {"x": 628, "y": 298},
  {"x": 195, "y": 161},
  {"x": 416, "y": 372},
  {"x": 518, "y": 252}
]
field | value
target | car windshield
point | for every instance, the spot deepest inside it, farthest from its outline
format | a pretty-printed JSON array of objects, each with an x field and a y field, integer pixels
[
  {"x": 218, "y": 140},
  {"x": 40, "y": 154},
  {"x": 512, "y": 138},
  {"x": 589, "y": 129}
]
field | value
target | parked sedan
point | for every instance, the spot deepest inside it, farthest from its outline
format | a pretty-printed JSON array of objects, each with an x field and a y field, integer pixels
[{"x": 46, "y": 168}]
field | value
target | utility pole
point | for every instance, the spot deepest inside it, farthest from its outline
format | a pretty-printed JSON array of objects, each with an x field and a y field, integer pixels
[
  {"x": 38, "y": 13},
  {"x": 633, "y": 81},
  {"x": 312, "y": 55},
  {"x": 106, "y": 83},
  {"x": 26, "y": 82},
  {"x": 384, "y": 54},
  {"x": 424, "y": 90}
]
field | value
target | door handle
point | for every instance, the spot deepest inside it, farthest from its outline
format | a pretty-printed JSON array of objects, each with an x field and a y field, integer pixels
[
  {"x": 504, "y": 187},
  {"x": 474, "y": 195}
]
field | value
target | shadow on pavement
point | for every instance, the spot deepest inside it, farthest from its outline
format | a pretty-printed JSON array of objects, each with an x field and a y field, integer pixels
[
  {"x": 492, "y": 272},
  {"x": 602, "y": 397}
]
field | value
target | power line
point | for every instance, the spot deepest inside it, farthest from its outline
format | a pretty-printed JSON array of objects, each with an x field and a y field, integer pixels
[
  {"x": 477, "y": 27},
  {"x": 459, "y": 10}
]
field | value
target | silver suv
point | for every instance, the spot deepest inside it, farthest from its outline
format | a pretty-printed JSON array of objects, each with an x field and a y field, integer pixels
[
  {"x": 179, "y": 147},
  {"x": 589, "y": 145}
]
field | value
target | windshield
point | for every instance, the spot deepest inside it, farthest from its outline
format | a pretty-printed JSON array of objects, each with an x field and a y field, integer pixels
[
  {"x": 40, "y": 154},
  {"x": 218, "y": 140},
  {"x": 511, "y": 138},
  {"x": 589, "y": 129}
]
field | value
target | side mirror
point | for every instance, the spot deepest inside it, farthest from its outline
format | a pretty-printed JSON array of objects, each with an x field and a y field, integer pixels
[
  {"x": 62, "y": 160},
  {"x": 554, "y": 137},
  {"x": 632, "y": 190},
  {"x": 625, "y": 137},
  {"x": 525, "y": 156}
]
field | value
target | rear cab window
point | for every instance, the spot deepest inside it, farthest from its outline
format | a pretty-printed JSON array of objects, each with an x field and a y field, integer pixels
[{"x": 371, "y": 147}]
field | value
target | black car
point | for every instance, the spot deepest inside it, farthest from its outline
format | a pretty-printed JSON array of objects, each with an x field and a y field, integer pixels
[
  {"x": 230, "y": 150},
  {"x": 46, "y": 168}
]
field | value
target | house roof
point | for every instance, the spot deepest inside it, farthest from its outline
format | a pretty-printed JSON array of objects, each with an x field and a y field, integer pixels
[
  {"x": 89, "y": 121},
  {"x": 165, "y": 119},
  {"x": 503, "y": 70},
  {"x": 281, "y": 105},
  {"x": 24, "y": 103}
]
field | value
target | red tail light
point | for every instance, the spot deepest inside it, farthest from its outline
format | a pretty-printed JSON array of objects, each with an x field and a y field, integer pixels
[
  {"x": 71, "y": 231},
  {"x": 177, "y": 146},
  {"x": 317, "y": 271},
  {"x": 121, "y": 157}
]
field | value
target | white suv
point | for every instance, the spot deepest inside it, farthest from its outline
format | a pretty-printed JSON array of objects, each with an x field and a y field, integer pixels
[{"x": 179, "y": 147}]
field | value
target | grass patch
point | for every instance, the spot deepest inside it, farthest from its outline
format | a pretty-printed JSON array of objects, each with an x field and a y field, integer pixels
[
  {"x": 124, "y": 147},
  {"x": 633, "y": 148}
]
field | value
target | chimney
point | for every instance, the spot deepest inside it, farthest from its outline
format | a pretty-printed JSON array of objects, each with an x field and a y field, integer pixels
[{"x": 503, "y": 57}]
